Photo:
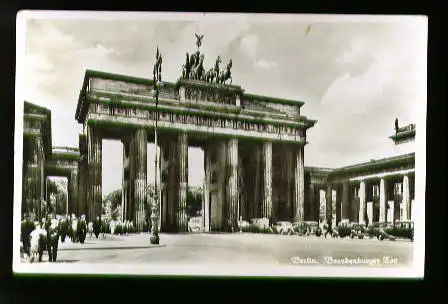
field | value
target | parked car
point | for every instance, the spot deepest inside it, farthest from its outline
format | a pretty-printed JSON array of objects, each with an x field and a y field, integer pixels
[
  {"x": 342, "y": 230},
  {"x": 195, "y": 224},
  {"x": 401, "y": 229},
  {"x": 243, "y": 226},
  {"x": 373, "y": 229},
  {"x": 300, "y": 228},
  {"x": 313, "y": 228},
  {"x": 358, "y": 230},
  {"x": 283, "y": 227}
]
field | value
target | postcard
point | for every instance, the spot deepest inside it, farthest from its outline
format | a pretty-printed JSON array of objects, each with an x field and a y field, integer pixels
[{"x": 220, "y": 144}]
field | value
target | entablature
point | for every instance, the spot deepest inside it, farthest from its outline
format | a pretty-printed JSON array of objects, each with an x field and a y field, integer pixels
[
  {"x": 37, "y": 117},
  {"x": 200, "y": 93},
  {"x": 107, "y": 104},
  {"x": 374, "y": 168}
]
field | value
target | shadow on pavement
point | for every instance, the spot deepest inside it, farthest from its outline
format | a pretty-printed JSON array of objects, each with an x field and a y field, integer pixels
[
  {"x": 111, "y": 248},
  {"x": 66, "y": 261}
]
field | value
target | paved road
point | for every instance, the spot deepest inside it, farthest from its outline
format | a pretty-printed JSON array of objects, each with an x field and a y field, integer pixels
[{"x": 237, "y": 248}]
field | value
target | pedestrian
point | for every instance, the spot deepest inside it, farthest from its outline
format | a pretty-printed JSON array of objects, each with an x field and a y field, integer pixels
[
  {"x": 64, "y": 228},
  {"x": 97, "y": 226},
  {"x": 27, "y": 227},
  {"x": 38, "y": 242},
  {"x": 82, "y": 229},
  {"x": 74, "y": 229},
  {"x": 53, "y": 240},
  {"x": 90, "y": 229}
]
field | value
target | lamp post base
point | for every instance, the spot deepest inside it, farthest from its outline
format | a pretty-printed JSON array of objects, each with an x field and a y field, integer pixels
[{"x": 154, "y": 240}]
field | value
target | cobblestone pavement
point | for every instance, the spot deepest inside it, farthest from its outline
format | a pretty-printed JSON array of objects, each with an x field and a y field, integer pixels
[{"x": 234, "y": 248}]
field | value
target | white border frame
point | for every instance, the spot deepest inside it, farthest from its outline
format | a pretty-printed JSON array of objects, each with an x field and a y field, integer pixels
[{"x": 416, "y": 270}]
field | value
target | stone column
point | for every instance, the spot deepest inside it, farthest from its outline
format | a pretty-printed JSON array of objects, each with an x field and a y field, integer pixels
[
  {"x": 299, "y": 184},
  {"x": 47, "y": 193},
  {"x": 362, "y": 201},
  {"x": 140, "y": 189},
  {"x": 266, "y": 207},
  {"x": 183, "y": 182},
  {"x": 243, "y": 187},
  {"x": 406, "y": 198},
  {"x": 73, "y": 199},
  {"x": 329, "y": 203},
  {"x": 345, "y": 203},
  {"x": 130, "y": 206},
  {"x": 289, "y": 163},
  {"x": 255, "y": 209},
  {"x": 232, "y": 184},
  {"x": 82, "y": 184},
  {"x": 34, "y": 180},
  {"x": 338, "y": 203},
  {"x": 125, "y": 183},
  {"x": 383, "y": 201},
  {"x": 94, "y": 156},
  {"x": 68, "y": 206},
  {"x": 206, "y": 195},
  {"x": 82, "y": 176},
  {"x": 311, "y": 202}
]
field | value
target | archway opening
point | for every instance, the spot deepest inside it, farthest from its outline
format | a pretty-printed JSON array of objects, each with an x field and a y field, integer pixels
[{"x": 57, "y": 196}]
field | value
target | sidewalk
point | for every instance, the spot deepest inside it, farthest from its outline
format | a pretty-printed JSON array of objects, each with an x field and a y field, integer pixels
[{"x": 109, "y": 241}]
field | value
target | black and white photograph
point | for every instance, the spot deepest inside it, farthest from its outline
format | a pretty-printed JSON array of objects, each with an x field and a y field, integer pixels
[{"x": 220, "y": 144}]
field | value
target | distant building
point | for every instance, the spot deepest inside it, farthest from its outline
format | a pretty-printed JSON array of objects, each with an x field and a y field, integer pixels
[{"x": 380, "y": 190}]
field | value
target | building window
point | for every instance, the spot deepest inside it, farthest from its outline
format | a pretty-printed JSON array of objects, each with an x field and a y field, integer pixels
[
  {"x": 398, "y": 188},
  {"x": 376, "y": 190}
]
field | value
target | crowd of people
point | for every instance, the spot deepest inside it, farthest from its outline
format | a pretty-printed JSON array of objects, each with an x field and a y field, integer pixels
[{"x": 38, "y": 236}]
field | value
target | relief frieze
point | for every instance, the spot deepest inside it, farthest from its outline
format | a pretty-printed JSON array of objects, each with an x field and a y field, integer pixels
[{"x": 196, "y": 120}]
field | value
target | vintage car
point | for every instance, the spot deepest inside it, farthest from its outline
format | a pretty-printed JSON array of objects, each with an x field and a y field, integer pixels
[
  {"x": 300, "y": 228},
  {"x": 307, "y": 228},
  {"x": 358, "y": 230},
  {"x": 283, "y": 227},
  {"x": 373, "y": 229},
  {"x": 342, "y": 230},
  {"x": 243, "y": 226},
  {"x": 195, "y": 224},
  {"x": 313, "y": 228},
  {"x": 401, "y": 229}
]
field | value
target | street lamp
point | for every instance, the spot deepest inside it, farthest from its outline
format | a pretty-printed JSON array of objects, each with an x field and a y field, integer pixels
[{"x": 157, "y": 80}]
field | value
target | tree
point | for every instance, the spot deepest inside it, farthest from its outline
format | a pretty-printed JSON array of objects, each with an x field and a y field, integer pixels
[
  {"x": 114, "y": 198},
  {"x": 57, "y": 189},
  {"x": 194, "y": 200}
]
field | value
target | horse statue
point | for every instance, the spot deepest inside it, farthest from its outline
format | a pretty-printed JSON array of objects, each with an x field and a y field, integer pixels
[
  {"x": 226, "y": 74},
  {"x": 210, "y": 75},
  {"x": 194, "y": 63},
  {"x": 200, "y": 71},
  {"x": 216, "y": 69},
  {"x": 186, "y": 67}
]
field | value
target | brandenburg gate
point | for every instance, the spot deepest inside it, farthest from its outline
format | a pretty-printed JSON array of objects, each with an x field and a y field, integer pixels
[{"x": 253, "y": 146}]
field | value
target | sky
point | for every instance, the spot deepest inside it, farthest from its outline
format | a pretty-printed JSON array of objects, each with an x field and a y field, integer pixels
[{"x": 355, "y": 76}]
